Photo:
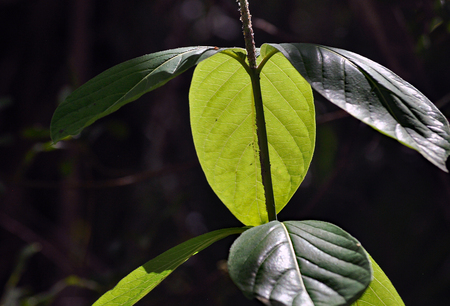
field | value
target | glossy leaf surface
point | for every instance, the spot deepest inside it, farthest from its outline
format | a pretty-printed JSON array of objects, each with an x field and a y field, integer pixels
[
  {"x": 374, "y": 95},
  {"x": 381, "y": 292},
  {"x": 302, "y": 263},
  {"x": 120, "y": 85},
  {"x": 224, "y": 131},
  {"x": 141, "y": 281}
]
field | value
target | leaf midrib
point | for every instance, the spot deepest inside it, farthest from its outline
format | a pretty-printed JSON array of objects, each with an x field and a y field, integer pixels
[{"x": 294, "y": 256}]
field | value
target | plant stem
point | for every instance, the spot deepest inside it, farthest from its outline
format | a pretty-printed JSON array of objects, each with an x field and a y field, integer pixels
[
  {"x": 261, "y": 131},
  {"x": 247, "y": 28}
]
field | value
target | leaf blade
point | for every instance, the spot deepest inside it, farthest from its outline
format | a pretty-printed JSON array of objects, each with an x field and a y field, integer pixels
[
  {"x": 374, "y": 95},
  {"x": 224, "y": 130},
  {"x": 141, "y": 281},
  {"x": 299, "y": 263},
  {"x": 120, "y": 85}
]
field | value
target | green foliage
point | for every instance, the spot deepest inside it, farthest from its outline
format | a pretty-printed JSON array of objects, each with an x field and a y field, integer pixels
[
  {"x": 138, "y": 283},
  {"x": 299, "y": 263},
  {"x": 374, "y": 95},
  {"x": 224, "y": 130}
]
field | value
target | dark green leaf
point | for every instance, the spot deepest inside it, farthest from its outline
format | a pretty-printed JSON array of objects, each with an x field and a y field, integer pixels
[
  {"x": 374, "y": 95},
  {"x": 302, "y": 263},
  {"x": 120, "y": 85},
  {"x": 141, "y": 281}
]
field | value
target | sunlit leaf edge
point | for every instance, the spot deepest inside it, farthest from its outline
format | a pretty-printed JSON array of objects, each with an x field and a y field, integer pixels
[{"x": 380, "y": 280}]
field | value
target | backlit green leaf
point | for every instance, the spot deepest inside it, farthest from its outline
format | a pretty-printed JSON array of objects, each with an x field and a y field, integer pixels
[
  {"x": 299, "y": 263},
  {"x": 224, "y": 130},
  {"x": 120, "y": 85},
  {"x": 141, "y": 281},
  {"x": 381, "y": 292},
  {"x": 374, "y": 95}
]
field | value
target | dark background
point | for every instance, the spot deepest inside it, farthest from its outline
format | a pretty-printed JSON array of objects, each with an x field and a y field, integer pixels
[{"x": 130, "y": 186}]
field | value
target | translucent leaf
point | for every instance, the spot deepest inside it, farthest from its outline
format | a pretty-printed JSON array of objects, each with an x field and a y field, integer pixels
[
  {"x": 301, "y": 263},
  {"x": 120, "y": 85},
  {"x": 381, "y": 292},
  {"x": 224, "y": 131},
  {"x": 141, "y": 281},
  {"x": 374, "y": 95}
]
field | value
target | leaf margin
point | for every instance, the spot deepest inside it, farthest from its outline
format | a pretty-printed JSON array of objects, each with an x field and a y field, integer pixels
[
  {"x": 308, "y": 124},
  {"x": 380, "y": 277}
]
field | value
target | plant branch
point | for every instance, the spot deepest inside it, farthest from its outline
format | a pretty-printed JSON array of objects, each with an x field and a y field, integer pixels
[
  {"x": 246, "y": 19},
  {"x": 261, "y": 132},
  {"x": 110, "y": 183}
]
